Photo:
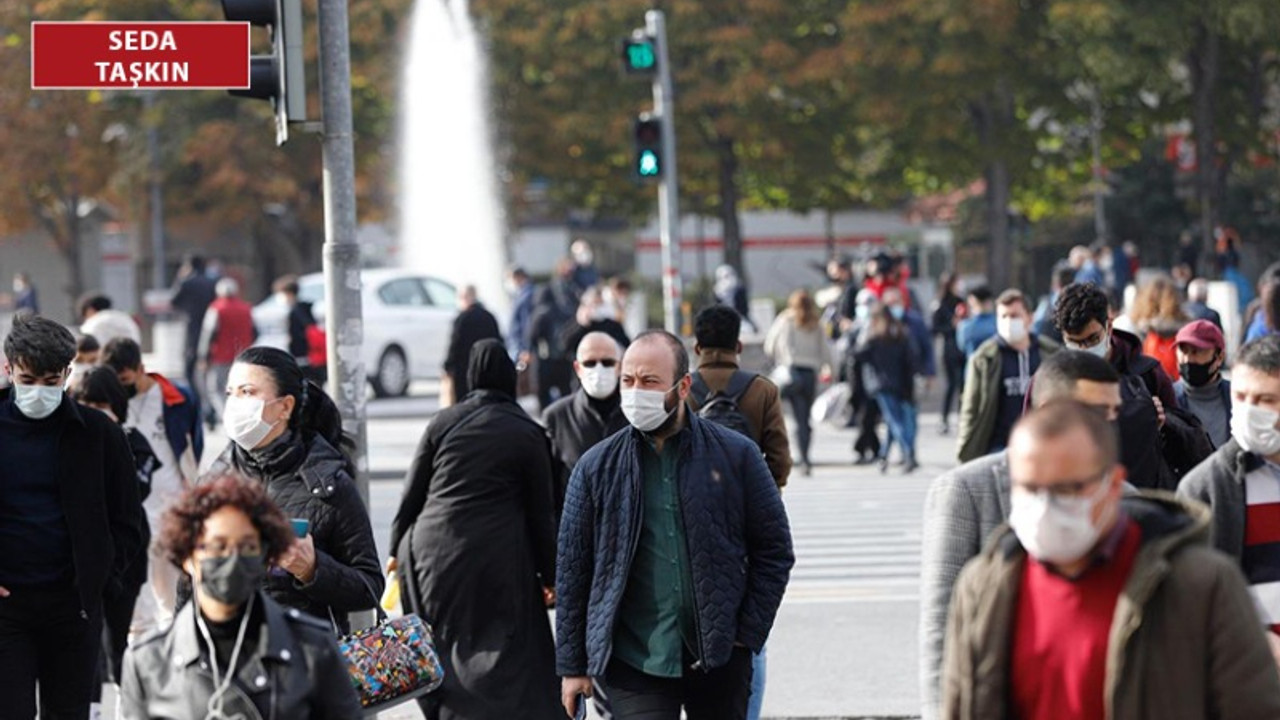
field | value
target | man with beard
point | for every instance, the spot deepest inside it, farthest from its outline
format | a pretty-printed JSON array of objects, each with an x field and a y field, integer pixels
[{"x": 674, "y": 554}]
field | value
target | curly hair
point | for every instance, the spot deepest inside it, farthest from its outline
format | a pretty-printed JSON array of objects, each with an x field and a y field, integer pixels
[
  {"x": 183, "y": 523},
  {"x": 1077, "y": 305}
]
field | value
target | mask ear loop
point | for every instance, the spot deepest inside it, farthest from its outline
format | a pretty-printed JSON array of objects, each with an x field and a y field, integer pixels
[{"x": 217, "y": 699}]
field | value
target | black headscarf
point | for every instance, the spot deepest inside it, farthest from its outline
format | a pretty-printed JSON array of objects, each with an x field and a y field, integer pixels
[{"x": 491, "y": 368}]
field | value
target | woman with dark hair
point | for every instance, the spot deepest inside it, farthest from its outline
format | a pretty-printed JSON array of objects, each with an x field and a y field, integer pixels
[
  {"x": 234, "y": 652},
  {"x": 889, "y": 364},
  {"x": 475, "y": 546},
  {"x": 948, "y": 309},
  {"x": 99, "y": 388},
  {"x": 287, "y": 434}
]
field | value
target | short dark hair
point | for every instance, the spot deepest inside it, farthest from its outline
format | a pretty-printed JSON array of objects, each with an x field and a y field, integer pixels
[
  {"x": 93, "y": 301},
  {"x": 286, "y": 284},
  {"x": 718, "y": 327},
  {"x": 981, "y": 293},
  {"x": 1058, "y": 374},
  {"x": 674, "y": 343},
  {"x": 1060, "y": 417},
  {"x": 1262, "y": 354},
  {"x": 1011, "y": 296},
  {"x": 183, "y": 523},
  {"x": 87, "y": 343},
  {"x": 1064, "y": 276},
  {"x": 197, "y": 262},
  {"x": 122, "y": 354},
  {"x": 39, "y": 345},
  {"x": 101, "y": 386},
  {"x": 1078, "y": 305}
]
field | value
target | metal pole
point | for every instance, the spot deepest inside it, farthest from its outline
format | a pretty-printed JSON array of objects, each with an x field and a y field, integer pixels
[
  {"x": 344, "y": 321},
  {"x": 669, "y": 188},
  {"x": 158, "y": 279}
]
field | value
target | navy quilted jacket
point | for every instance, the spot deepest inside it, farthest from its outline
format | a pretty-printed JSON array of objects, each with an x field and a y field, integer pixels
[{"x": 736, "y": 529}]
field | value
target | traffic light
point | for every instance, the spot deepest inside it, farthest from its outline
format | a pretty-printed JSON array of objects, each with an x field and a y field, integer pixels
[
  {"x": 280, "y": 76},
  {"x": 648, "y": 140},
  {"x": 639, "y": 54}
]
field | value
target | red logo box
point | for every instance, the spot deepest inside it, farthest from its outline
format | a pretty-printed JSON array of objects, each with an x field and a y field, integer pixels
[{"x": 152, "y": 55}]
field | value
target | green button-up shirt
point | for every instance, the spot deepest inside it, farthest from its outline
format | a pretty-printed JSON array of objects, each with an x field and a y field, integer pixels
[{"x": 656, "y": 617}]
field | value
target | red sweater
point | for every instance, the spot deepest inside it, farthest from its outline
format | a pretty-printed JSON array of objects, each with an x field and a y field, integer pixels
[{"x": 1061, "y": 632}]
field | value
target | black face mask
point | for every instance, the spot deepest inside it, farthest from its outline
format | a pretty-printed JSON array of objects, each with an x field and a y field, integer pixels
[
  {"x": 232, "y": 579},
  {"x": 1197, "y": 375},
  {"x": 130, "y": 391}
]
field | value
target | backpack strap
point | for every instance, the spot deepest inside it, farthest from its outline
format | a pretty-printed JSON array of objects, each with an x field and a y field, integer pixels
[
  {"x": 699, "y": 390},
  {"x": 738, "y": 384}
]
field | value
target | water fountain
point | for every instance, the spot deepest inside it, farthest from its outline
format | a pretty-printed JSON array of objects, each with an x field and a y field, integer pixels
[{"x": 451, "y": 223}]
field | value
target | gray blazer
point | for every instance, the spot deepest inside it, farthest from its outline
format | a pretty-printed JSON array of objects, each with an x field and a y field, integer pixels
[
  {"x": 962, "y": 509},
  {"x": 1219, "y": 483}
]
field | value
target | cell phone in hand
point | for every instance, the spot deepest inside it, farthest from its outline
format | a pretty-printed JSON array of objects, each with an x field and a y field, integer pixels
[
  {"x": 580, "y": 708},
  {"x": 301, "y": 526}
]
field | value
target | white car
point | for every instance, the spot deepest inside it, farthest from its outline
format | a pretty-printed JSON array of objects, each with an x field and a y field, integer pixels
[{"x": 408, "y": 318}]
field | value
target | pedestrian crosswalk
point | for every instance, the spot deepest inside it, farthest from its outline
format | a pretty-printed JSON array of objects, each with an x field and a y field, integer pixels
[{"x": 856, "y": 536}]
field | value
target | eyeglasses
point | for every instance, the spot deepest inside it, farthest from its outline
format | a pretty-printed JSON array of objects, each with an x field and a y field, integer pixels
[
  {"x": 606, "y": 362},
  {"x": 247, "y": 548},
  {"x": 1063, "y": 491}
]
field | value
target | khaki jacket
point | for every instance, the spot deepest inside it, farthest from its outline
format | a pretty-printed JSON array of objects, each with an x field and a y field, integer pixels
[
  {"x": 980, "y": 400},
  {"x": 1186, "y": 642},
  {"x": 761, "y": 404}
]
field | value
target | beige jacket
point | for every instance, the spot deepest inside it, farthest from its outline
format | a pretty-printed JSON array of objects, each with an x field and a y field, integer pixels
[
  {"x": 761, "y": 404},
  {"x": 1186, "y": 643}
]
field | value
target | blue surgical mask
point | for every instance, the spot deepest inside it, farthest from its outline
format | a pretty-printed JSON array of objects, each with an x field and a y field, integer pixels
[
  {"x": 37, "y": 401},
  {"x": 897, "y": 311}
]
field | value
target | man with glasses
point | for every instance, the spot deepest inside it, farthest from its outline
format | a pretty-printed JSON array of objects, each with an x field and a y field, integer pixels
[
  {"x": 674, "y": 554},
  {"x": 1159, "y": 442},
  {"x": 70, "y": 520},
  {"x": 965, "y": 505},
  {"x": 1095, "y": 604},
  {"x": 577, "y": 422}
]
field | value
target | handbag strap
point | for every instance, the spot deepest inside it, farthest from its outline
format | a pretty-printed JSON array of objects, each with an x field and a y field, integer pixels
[{"x": 380, "y": 614}]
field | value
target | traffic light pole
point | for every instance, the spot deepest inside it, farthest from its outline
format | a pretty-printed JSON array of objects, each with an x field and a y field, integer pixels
[
  {"x": 344, "y": 320},
  {"x": 669, "y": 188}
]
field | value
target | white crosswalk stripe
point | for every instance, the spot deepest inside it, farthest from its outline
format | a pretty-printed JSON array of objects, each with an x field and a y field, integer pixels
[{"x": 855, "y": 538}]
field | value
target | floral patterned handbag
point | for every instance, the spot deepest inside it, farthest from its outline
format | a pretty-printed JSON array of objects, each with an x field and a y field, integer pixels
[{"x": 392, "y": 662}]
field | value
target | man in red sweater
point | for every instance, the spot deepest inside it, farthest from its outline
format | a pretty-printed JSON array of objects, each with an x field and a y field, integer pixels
[
  {"x": 1093, "y": 605},
  {"x": 228, "y": 328}
]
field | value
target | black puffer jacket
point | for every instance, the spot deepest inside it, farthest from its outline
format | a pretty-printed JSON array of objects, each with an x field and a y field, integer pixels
[
  {"x": 313, "y": 480},
  {"x": 739, "y": 544}
]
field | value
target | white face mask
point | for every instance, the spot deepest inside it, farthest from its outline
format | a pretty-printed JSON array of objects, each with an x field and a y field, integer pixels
[
  {"x": 599, "y": 382},
  {"x": 603, "y": 311},
  {"x": 78, "y": 370},
  {"x": 1012, "y": 330},
  {"x": 1055, "y": 530},
  {"x": 37, "y": 401},
  {"x": 1099, "y": 350},
  {"x": 583, "y": 257},
  {"x": 646, "y": 410},
  {"x": 1255, "y": 429},
  {"x": 242, "y": 417}
]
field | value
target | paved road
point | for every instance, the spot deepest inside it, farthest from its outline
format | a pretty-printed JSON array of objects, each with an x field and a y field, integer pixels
[{"x": 844, "y": 645}]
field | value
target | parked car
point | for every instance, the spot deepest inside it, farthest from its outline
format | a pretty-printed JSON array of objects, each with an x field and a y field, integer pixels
[{"x": 407, "y": 320}]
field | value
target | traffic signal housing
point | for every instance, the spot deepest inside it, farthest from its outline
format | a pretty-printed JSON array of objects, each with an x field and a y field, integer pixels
[
  {"x": 647, "y": 135},
  {"x": 640, "y": 55},
  {"x": 281, "y": 76}
]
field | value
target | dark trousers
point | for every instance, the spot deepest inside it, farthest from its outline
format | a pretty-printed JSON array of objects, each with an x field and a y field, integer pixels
[
  {"x": 555, "y": 380},
  {"x": 800, "y": 394},
  {"x": 45, "y": 638},
  {"x": 720, "y": 694},
  {"x": 955, "y": 383},
  {"x": 868, "y": 442}
]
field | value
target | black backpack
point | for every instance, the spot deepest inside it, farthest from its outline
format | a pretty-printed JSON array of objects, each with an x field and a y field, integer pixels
[{"x": 722, "y": 407}]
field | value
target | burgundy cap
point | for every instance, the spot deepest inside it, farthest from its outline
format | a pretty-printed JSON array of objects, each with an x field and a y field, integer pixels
[{"x": 1202, "y": 334}]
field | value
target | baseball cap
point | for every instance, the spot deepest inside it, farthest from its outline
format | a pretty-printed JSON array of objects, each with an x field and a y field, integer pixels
[{"x": 1201, "y": 334}]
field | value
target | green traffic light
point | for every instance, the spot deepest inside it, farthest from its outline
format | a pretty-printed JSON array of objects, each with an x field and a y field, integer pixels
[
  {"x": 640, "y": 56},
  {"x": 647, "y": 165}
]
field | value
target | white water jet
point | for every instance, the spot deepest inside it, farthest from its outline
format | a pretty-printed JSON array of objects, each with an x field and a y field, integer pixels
[{"x": 451, "y": 223}]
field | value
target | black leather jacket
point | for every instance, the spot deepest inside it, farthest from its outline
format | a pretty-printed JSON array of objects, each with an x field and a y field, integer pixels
[{"x": 294, "y": 673}]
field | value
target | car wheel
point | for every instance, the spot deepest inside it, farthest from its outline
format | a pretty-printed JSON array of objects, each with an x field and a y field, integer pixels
[{"x": 392, "y": 377}]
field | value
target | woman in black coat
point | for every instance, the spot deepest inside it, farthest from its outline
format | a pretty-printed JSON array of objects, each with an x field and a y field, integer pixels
[
  {"x": 889, "y": 364},
  {"x": 287, "y": 434},
  {"x": 474, "y": 540}
]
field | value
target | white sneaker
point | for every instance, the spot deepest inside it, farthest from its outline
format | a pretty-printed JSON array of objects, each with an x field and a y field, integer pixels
[{"x": 95, "y": 711}]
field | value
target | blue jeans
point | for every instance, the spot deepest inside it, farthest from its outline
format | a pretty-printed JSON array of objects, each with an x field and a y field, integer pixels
[
  {"x": 900, "y": 416},
  {"x": 758, "y": 667}
]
